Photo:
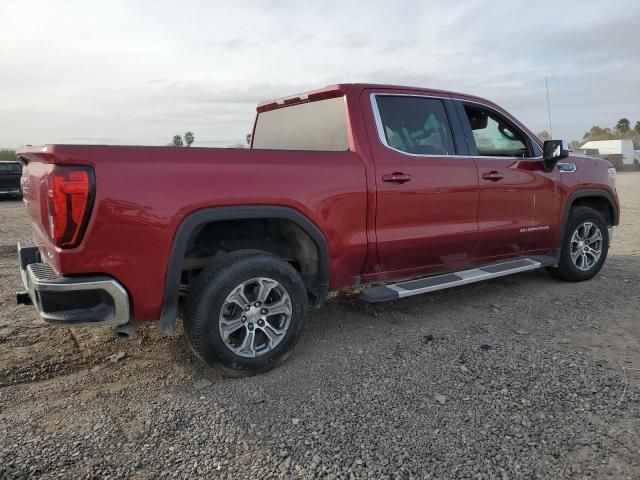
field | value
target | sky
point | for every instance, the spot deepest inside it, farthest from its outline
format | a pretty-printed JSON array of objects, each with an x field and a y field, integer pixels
[{"x": 139, "y": 72}]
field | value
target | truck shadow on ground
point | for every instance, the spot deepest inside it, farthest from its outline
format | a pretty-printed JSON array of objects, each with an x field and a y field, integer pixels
[{"x": 530, "y": 305}]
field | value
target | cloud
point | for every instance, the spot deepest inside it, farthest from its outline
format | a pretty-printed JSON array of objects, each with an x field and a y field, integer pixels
[{"x": 121, "y": 72}]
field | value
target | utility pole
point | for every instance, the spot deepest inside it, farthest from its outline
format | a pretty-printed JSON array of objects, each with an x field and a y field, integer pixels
[{"x": 546, "y": 84}]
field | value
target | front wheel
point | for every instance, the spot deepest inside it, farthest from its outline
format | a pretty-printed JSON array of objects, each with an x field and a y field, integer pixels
[
  {"x": 584, "y": 247},
  {"x": 245, "y": 313}
]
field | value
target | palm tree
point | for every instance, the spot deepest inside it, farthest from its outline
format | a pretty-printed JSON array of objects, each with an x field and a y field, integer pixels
[
  {"x": 177, "y": 141},
  {"x": 623, "y": 126}
]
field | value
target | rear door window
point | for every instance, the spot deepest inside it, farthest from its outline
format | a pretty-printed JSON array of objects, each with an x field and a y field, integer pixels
[{"x": 414, "y": 125}]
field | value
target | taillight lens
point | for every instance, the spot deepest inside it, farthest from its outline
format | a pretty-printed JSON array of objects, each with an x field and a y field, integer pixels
[{"x": 69, "y": 200}]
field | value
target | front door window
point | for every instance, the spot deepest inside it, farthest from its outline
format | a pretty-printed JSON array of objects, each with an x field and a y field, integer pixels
[{"x": 494, "y": 137}]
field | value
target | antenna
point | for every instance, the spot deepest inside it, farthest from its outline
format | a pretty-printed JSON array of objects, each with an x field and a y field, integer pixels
[{"x": 546, "y": 84}]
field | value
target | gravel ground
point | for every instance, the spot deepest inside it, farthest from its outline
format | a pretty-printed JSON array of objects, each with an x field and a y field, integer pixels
[{"x": 520, "y": 377}]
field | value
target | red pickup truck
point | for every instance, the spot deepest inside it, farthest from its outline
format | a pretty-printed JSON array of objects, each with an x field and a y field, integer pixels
[{"x": 397, "y": 190}]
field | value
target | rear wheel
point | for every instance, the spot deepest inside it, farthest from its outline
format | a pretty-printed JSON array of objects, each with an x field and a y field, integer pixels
[
  {"x": 584, "y": 247},
  {"x": 245, "y": 312}
]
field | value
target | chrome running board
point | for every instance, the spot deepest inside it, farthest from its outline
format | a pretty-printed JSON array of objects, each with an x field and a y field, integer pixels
[{"x": 408, "y": 288}]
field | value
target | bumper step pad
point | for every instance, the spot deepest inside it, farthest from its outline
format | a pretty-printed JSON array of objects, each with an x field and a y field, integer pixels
[{"x": 408, "y": 288}]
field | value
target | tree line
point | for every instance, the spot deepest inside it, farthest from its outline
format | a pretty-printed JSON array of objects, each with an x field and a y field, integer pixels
[
  {"x": 620, "y": 131},
  {"x": 7, "y": 154}
]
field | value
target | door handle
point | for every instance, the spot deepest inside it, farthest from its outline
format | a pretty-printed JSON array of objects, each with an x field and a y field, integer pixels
[
  {"x": 396, "y": 177},
  {"x": 493, "y": 176}
]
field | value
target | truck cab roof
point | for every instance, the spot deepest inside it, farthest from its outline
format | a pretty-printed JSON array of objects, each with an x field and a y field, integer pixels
[{"x": 340, "y": 89}]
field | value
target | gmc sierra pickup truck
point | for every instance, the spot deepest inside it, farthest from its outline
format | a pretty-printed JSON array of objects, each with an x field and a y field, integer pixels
[{"x": 395, "y": 190}]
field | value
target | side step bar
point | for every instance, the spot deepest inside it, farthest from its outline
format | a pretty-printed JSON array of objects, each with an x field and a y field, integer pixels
[{"x": 408, "y": 288}]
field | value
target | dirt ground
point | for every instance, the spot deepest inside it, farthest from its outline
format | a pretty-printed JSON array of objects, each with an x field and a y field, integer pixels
[{"x": 356, "y": 399}]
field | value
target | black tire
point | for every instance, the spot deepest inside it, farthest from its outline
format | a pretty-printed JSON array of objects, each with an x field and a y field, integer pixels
[
  {"x": 207, "y": 298},
  {"x": 566, "y": 269}
]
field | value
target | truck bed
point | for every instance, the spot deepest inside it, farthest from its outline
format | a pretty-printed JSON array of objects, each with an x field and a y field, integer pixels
[{"x": 142, "y": 194}]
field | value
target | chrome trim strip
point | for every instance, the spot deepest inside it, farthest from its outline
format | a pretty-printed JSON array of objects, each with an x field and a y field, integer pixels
[{"x": 383, "y": 138}]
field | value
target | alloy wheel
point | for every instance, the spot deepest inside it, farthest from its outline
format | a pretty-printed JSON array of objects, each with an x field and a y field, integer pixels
[
  {"x": 255, "y": 317},
  {"x": 586, "y": 246}
]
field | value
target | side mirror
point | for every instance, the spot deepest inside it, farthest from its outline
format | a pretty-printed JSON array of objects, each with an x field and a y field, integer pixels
[{"x": 554, "y": 151}]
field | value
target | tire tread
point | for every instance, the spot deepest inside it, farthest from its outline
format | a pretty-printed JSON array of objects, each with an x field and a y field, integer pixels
[
  {"x": 565, "y": 270},
  {"x": 197, "y": 328}
]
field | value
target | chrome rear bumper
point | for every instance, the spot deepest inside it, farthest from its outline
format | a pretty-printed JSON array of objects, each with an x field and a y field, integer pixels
[{"x": 70, "y": 301}]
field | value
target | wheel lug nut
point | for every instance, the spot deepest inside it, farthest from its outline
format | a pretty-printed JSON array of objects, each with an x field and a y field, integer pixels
[
  {"x": 261, "y": 323},
  {"x": 250, "y": 327},
  {"x": 247, "y": 308},
  {"x": 264, "y": 311},
  {"x": 257, "y": 304},
  {"x": 244, "y": 319}
]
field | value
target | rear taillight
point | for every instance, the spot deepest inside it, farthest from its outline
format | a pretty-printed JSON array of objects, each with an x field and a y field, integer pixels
[{"x": 70, "y": 193}]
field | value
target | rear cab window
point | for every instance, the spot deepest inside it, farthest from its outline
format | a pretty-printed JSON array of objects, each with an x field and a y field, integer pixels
[{"x": 319, "y": 125}]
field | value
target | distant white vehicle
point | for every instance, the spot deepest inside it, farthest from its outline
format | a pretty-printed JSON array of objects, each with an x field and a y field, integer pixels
[{"x": 620, "y": 150}]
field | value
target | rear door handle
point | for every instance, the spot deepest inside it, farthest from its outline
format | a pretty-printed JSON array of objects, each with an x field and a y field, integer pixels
[
  {"x": 493, "y": 176},
  {"x": 396, "y": 177}
]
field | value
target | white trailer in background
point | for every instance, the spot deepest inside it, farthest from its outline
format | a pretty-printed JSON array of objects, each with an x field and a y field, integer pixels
[{"x": 617, "y": 149}]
